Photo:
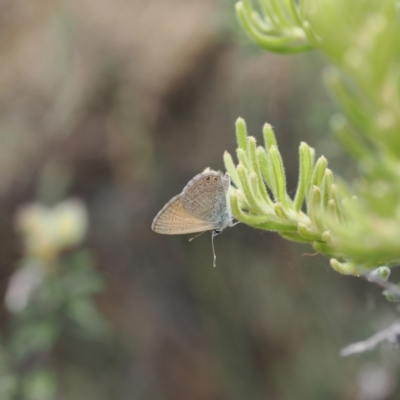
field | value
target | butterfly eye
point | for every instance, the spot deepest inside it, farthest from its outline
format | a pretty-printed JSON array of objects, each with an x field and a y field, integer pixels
[
  {"x": 216, "y": 178},
  {"x": 208, "y": 179}
]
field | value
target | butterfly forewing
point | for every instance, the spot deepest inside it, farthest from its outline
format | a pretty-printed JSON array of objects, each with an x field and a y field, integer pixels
[{"x": 174, "y": 219}]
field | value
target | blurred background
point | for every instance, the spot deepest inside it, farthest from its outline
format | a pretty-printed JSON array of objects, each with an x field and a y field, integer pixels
[{"x": 107, "y": 109}]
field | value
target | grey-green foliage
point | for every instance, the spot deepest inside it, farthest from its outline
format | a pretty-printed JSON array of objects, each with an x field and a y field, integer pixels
[
  {"x": 61, "y": 304},
  {"x": 358, "y": 226}
]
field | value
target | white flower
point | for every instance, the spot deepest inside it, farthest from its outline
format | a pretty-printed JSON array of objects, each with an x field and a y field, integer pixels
[{"x": 47, "y": 231}]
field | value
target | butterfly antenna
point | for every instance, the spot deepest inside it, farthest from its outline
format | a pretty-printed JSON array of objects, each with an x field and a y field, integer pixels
[{"x": 194, "y": 237}]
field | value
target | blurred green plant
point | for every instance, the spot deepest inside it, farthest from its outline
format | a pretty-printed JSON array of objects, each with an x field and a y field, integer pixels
[
  {"x": 50, "y": 295},
  {"x": 358, "y": 226}
]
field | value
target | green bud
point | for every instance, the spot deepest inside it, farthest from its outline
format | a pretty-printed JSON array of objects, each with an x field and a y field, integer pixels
[
  {"x": 345, "y": 268},
  {"x": 314, "y": 206},
  {"x": 326, "y": 237},
  {"x": 327, "y": 187},
  {"x": 269, "y": 136},
  {"x": 319, "y": 171},
  {"x": 279, "y": 176},
  {"x": 248, "y": 192},
  {"x": 243, "y": 159},
  {"x": 266, "y": 169},
  {"x": 306, "y": 162},
  {"x": 335, "y": 198},
  {"x": 241, "y": 134},
  {"x": 254, "y": 184},
  {"x": 252, "y": 154},
  {"x": 230, "y": 167},
  {"x": 332, "y": 208}
]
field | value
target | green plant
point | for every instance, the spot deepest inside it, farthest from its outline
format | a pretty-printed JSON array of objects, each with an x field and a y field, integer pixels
[
  {"x": 358, "y": 226},
  {"x": 48, "y": 296}
]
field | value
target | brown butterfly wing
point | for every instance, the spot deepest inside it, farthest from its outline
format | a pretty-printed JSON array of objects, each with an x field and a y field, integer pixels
[{"x": 174, "y": 219}]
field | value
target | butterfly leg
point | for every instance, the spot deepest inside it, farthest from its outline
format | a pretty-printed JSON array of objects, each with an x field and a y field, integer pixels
[
  {"x": 214, "y": 233},
  {"x": 194, "y": 237}
]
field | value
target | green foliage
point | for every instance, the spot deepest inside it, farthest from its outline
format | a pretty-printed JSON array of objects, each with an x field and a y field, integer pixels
[
  {"x": 281, "y": 27},
  {"x": 39, "y": 385},
  {"x": 358, "y": 226},
  {"x": 261, "y": 198},
  {"x": 50, "y": 295}
]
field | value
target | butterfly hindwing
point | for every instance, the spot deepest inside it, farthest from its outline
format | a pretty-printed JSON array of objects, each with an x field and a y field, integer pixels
[
  {"x": 205, "y": 196},
  {"x": 174, "y": 219}
]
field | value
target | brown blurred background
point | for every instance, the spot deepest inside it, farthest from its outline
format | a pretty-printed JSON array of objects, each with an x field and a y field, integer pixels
[{"x": 126, "y": 101}]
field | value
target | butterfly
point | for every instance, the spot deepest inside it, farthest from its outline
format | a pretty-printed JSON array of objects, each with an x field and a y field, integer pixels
[{"x": 202, "y": 206}]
